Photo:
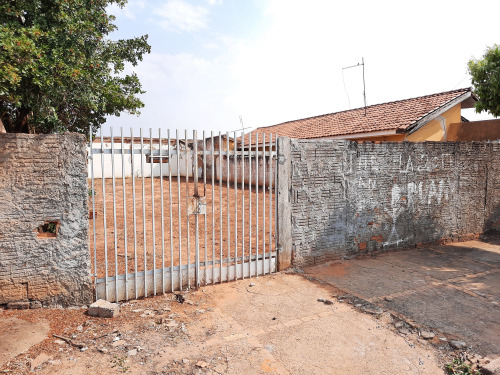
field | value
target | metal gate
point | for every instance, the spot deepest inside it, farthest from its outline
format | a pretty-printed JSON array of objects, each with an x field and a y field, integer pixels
[{"x": 169, "y": 213}]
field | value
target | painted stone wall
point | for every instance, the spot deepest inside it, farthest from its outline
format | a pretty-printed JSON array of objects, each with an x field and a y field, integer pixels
[
  {"x": 353, "y": 198},
  {"x": 43, "y": 189}
]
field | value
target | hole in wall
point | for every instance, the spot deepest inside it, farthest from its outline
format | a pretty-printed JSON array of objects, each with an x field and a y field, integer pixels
[{"x": 49, "y": 229}]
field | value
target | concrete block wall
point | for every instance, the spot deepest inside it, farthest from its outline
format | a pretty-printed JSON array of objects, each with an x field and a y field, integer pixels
[
  {"x": 352, "y": 198},
  {"x": 43, "y": 178}
]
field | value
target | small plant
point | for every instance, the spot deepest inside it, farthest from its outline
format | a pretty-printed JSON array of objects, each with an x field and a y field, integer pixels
[
  {"x": 459, "y": 367},
  {"x": 92, "y": 193},
  {"x": 119, "y": 362},
  {"x": 51, "y": 227}
]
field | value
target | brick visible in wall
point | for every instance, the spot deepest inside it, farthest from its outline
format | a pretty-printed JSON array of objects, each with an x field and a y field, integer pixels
[{"x": 43, "y": 178}]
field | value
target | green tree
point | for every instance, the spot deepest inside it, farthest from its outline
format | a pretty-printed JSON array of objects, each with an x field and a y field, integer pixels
[
  {"x": 486, "y": 80},
  {"x": 58, "y": 70}
]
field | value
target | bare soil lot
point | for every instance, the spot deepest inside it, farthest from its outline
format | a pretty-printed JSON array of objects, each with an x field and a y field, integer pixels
[
  {"x": 258, "y": 234},
  {"x": 452, "y": 290},
  {"x": 276, "y": 326}
]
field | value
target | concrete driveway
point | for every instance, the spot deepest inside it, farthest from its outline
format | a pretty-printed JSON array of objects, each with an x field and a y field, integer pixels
[{"x": 452, "y": 289}]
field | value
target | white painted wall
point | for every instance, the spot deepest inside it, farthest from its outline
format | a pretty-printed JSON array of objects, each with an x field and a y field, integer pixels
[{"x": 136, "y": 168}]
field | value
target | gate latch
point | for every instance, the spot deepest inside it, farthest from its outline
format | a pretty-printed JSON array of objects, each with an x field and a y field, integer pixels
[{"x": 197, "y": 205}]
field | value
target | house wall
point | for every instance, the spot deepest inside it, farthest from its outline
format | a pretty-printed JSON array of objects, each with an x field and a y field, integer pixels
[
  {"x": 351, "y": 198},
  {"x": 249, "y": 163},
  {"x": 433, "y": 130},
  {"x": 43, "y": 178},
  {"x": 138, "y": 159}
]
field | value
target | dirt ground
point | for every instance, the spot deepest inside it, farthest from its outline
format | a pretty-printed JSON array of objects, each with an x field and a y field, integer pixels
[
  {"x": 217, "y": 241},
  {"x": 276, "y": 326},
  {"x": 452, "y": 290}
]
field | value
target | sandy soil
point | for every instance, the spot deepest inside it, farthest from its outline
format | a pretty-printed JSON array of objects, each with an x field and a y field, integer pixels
[
  {"x": 217, "y": 240},
  {"x": 276, "y": 326}
]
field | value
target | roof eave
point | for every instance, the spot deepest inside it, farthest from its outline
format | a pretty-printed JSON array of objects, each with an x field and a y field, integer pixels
[{"x": 436, "y": 112}]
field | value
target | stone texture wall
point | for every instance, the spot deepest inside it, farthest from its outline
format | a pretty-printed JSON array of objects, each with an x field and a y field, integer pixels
[
  {"x": 353, "y": 198},
  {"x": 43, "y": 178}
]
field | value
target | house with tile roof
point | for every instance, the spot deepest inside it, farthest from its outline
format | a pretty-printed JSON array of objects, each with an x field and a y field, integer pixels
[{"x": 425, "y": 118}]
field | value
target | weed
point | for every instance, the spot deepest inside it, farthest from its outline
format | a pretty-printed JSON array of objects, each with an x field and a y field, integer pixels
[
  {"x": 120, "y": 363},
  {"x": 459, "y": 367},
  {"x": 52, "y": 227}
]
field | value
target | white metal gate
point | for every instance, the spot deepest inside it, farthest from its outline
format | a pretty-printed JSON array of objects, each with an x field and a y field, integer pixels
[{"x": 148, "y": 223}]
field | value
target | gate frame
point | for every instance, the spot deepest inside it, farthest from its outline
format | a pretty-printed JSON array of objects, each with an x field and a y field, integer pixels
[{"x": 117, "y": 287}]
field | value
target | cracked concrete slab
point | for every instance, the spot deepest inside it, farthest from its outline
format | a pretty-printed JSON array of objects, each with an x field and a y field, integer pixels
[{"x": 454, "y": 288}]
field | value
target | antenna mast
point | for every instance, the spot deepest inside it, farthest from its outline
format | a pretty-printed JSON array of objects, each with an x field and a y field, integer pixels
[{"x": 364, "y": 87}]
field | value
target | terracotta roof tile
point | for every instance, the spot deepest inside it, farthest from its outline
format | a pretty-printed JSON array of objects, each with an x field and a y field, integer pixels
[{"x": 398, "y": 115}]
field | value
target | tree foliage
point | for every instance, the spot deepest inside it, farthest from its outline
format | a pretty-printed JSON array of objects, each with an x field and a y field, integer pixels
[
  {"x": 59, "y": 71},
  {"x": 486, "y": 80}
]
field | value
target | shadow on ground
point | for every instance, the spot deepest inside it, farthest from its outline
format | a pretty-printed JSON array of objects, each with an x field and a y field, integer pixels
[{"x": 453, "y": 289}]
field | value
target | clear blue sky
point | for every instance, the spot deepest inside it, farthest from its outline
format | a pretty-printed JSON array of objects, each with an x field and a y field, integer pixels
[{"x": 272, "y": 61}]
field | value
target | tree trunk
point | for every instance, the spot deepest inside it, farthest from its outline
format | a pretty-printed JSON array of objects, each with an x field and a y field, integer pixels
[
  {"x": 2, "y": 128},
  {"x": 22, "y": 122}
]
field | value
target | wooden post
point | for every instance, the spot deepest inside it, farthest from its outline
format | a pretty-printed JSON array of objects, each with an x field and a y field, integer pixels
[{"x": 284, "y": 229}]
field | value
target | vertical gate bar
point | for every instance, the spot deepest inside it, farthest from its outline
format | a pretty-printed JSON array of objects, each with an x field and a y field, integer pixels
[
  {"x": 196, "y": 214},
  {"x": 243, "y": 204},
  {"x": 250, "y": 203},
  {"x": 257, "y": 205},
  {"x": 115, "y": 235},
  {"x": 104, "y": 216},
  {"x": 235, "y": 207},
  {"x": 134, "y": 209},
  {"x": 213, "y": 207},
  {"x": 160, "y": 142},
  {"x": 220, "y": 202},
  {"x": 264, "y": 204},
  {"x": 93, "y": 206},
  {"x": 270, "y": 199},
  {"x": 170, "y": 213},
  {"x": 228, "y": 209},
  {"x": 144, "y": 216},
  {"x": 179, "y": 204},
  {"x": 124, "y": 215},
  {"x": 152, "y": 208},
  {"x": 205, "y": 195},
  {"x": 276, "y": 195},
  {"x": 187, "y": 204}
]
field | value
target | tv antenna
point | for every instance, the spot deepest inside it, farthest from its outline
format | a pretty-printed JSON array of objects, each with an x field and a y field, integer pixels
[
  {"x": 242, "y": 126},
  {"x": 364, "y": 87}
]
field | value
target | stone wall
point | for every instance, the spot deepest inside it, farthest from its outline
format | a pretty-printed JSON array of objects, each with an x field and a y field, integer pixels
[
  {"x": 352, "y": 198},
  {"x": 43, "y": 189}
]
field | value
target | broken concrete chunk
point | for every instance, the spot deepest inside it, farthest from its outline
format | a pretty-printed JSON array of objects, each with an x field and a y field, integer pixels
[
  {"x": 201, "y": 364},
  {"x": 132, "y": 352},
  {"x": 104, "y": 309},
  {"x": 427, "y": 335},
  {"x": 39, "y": 360},
  {"x": 94, "y": 308},
  {"x": 373, "y": 310},
  {"x": 492, "y": 368},
  {"x": 458, "y": 344},
  {"x": 399, "y": 324},
  {"x": 119, "y": 343},
  {"x": 404, "y": 331}
]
